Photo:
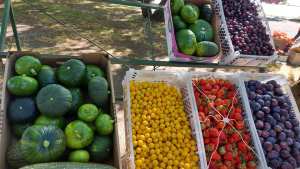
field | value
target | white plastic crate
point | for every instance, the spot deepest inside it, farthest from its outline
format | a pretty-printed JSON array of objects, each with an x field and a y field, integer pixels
[
  {"x": 264, "y": 77},
  {"x": 235, "y": 57},
  {"x": 235, "y": 79},
  {"x": 170, "y": 78},
  {"x": 173, "y": 52}
]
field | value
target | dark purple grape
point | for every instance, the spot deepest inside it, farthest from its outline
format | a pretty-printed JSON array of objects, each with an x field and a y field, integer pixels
[
  {"x": 268, "y": 103},
  {"x": 272, "y": 133},
  {"x": 272, "y": 154},
  {"x": 284, "y": 154},
  {"x": 269, "y": 87},
  {"x": 295, "y": 122},
  {"x": 277, "y": 116},
  {"x": 259, "y": 114},
  {"x": 259, "y": 124},
  {"x": 282, "y": 136},
  {"x": 283, "y": 144},
  {"x": 271, "y": 139},
  {"x": 289, "y": 133},
  {"x": 267, "y": 97},
  {"x": 261, "y": 139},
  {"x": 283, "y": 112},
  {"x": 266, "y": 109},
  {"x": 261, "y": 102},
  {"x": 267, "y": 126},
  {"x": 286, "y": 165},
  {"x": 265, "y": 134},
  {"x": 288, "y": 124},
  {"x": 268, "y": 146},
  {"x": 274, "y": 163},
  {"x": 277, "y": 147},
  {"x": 276, "y": 109},
  {"x": 292, "y": 161},
  {"x": 274, "y": 102},
  {"x": 290, "y": 141},
  {"x": 297, "y": 130},
  {"x": 251, "y": 94},
  {"x": 278, "y": 128},
  {"x": 278, "y": 91},
  {"x": 296, "y": 145},
  {"x": 259, "y": 132}
]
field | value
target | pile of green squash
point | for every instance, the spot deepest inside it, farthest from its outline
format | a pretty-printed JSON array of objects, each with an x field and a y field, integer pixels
[{"x": 58, "y": 113}]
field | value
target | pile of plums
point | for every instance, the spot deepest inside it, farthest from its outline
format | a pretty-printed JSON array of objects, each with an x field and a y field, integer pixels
[
  {"x": 276, "y": 124},
  {"x": 247, "y": 32}
]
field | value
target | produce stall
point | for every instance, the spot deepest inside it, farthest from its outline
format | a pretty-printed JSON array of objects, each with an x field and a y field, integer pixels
[{"x": 61, "y": 111}]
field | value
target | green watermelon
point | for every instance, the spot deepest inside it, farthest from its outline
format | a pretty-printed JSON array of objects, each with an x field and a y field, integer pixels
[
  {"x": 178, "y": 23},
  {"x": 207, "y": 49},
  {"x": 203, "y": 30},
  {"x": 176, "y": 5},
  {"x": 189, "y": 13},
  {"x": 186, "y": 41}
]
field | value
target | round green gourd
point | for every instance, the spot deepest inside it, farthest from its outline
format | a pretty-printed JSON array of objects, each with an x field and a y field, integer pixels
[
  {"x": 22, "y": 85},
  {"x": 82, "y": 156},
  {"x": 176, "y": 6},
  {"x": 28, "y": 65},
  {"x": 78, "y": 135},
  {"x": 71, "y": 73},
  {"x": 18, "y": 129},
  {"x": 101, "y": 148},
  {"x": 98, "y": 90},
  {"x": 104, "y": 124},
  {"x": 46, "y": 76},
  {"x": 88, "y": 112},
  {"x": 54, "y": 100},
  {"x": 91, "y": 72},
  {"x": 77, "y": 99},
  {"x": 206, "y": 12},
  {"x": 42, "y": 144},
  {"x": 203, "y": 30},
  {"x": 14, "y": 156},
  {"x": 68, "y": 165},
  {"x": 55, "y": 121},
  {"x": 22, "y": 110}
]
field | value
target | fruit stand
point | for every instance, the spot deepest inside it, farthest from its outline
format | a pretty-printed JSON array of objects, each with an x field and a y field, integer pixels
[{"x": 163, "y": 119}]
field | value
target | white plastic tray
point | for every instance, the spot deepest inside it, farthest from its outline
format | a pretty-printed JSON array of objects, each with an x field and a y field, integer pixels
[
  {"x": 264, "y": 77},
  {"x": 234, "y": 57},
  {"x": 235, "y": 79},
  {"x": 173, "y": 79}
]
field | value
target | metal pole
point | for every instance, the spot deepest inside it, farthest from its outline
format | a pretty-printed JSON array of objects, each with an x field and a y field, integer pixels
[
  {"x": 5, "y": 20},
  {"x": 14, "y": 28}
]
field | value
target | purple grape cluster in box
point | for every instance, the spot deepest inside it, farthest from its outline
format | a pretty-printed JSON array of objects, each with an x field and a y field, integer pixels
[
  {"x": 247, "y": 32},
  {"x": 276, "y": 124}
]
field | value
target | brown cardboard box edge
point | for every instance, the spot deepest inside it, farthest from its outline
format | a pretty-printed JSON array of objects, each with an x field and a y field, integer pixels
[{"x": 96, "y": 58}]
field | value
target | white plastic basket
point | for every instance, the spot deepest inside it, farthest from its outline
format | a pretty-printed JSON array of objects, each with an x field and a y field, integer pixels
[
  {"x": 233, "y": 78},
  {"x": 235, "y": 57},
  {"x": 264, "y": 77},
  {"x": 173, "y": 79},
  {"x": 173, "y": 52}
]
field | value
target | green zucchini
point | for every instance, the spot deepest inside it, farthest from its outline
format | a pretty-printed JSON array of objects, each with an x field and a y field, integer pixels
[{"x": 68, "y": 165}]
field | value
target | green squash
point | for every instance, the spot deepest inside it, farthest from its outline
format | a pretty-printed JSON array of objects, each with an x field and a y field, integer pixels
[
  {"x": 104, "y": 124},
  {"x": 77, "y": 99},
  {"x": 28, "y": 65},
  {"x": 78, "y": 135},
  {"x": 22, "y": 85},
  {"x": 14, "y": 156},
  {"x": 18, "y": 129},
  {"x": 42, "y": 144},
  {"x": 93, "y": 71},
  {"x": 68, "y": 165},
  {"x": 88, "y": 112},
  {"x": 46, "y": 76},
  {"x": 71, "y": 73},
  {"x": 101, "y": 148},
  {"x": 22, "y": 110},
  {"x": 207, "y": 49},
  {"x": 82, "y": 156},
  {"x": 55, "y": 121},
  {"x": 54, "y": 100},
  {"x": 98, "y": 91}
]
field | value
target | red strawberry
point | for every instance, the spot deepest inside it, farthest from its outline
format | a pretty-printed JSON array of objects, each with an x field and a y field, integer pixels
[
  {"x": 223, "y": 137},
  {"x": 228, "y": 156},
  {"x": 215, "y": 156},
  {"x": 242, "y": 146},
  {"x": 237, "y": 160},
  {"x": 206, "y": 134},
  {"x": 251, "y": 164},
  {"x": 228, "y": 164},
  {"x": 249, "y": 156},
  {"x": 213, "y": 132},
  {"x": 206, "y": 140},
  {"x": 237, "y": 116},
  {"x": 228, "y": 147},
  {"x": 240, "y": 125},
  {"x": 242, "y": 166},
  {"x": 214, "y": 140},
  {"x": 210, "y": 147},
  {"x": 236, "y": 137}
]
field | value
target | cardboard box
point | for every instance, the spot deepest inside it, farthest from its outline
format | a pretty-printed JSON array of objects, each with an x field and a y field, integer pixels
[
  {"x": 6, "y": 138},
  {"x": 173, "y": 52}
]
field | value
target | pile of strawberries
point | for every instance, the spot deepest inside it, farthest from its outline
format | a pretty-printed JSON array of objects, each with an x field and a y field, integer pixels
[{"x": 226, "y": 138}]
